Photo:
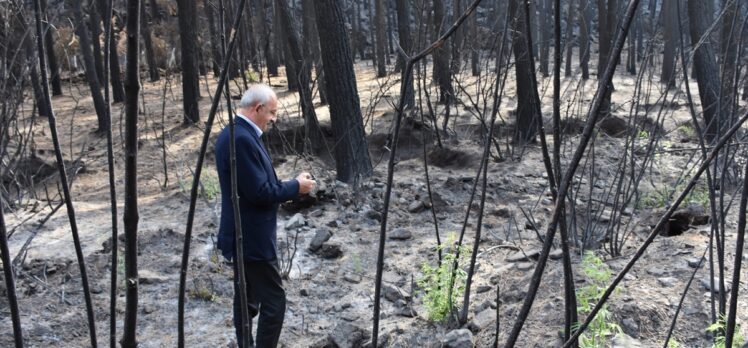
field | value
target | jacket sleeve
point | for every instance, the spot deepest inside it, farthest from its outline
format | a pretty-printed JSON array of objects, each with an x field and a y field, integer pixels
[{"x": 253, "y": 181}]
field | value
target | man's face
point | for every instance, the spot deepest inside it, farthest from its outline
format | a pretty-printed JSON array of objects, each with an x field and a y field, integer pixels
[{"x": 266, "y": 114}]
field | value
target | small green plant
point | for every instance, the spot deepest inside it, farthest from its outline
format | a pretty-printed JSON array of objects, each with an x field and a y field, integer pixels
[
  {"x": 209, "y": 185},
  {"x": 673, "y": 343},
  {"x": 435, "y": 281},
  {"x": 251, "y": 75},
  {"x": 642, "y": 134},
  {"x": 687, "y": 130},
  {"x": 598, "y": 274},
  {"x": 719, "y": 329},
  {"x": 202, "y": 290},
  {"x": 663, "y": 196}
]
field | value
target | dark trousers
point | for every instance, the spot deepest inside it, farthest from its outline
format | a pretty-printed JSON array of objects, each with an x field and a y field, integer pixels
[{"x": 264, "y": 291}]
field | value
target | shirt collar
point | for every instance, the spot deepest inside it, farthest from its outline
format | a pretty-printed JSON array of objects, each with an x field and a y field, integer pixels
[{"x": 257, "y": 129}]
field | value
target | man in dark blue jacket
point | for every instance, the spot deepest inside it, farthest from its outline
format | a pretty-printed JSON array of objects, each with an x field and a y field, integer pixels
[{"x": 260, "y": 193}]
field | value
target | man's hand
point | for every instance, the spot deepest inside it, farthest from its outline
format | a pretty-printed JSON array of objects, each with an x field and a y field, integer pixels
[{"x": 306, "y": 183}]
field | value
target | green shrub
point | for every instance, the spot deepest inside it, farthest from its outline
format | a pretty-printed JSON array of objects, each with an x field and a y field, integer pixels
[
  {"x": 597, "y": 274},
  {"x": 719, "y": 329},
  {"x": 435, "y": 281}
]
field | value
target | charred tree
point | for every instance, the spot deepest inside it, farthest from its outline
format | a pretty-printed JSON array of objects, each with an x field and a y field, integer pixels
[
  {"x": 442, "y": 71},
  {"x": 94, "y": 22},
  {"x": 118, "y": 88},
  {"x": 312, "y": 134},
  {"x": 215, "y": 50},
  {"x": 544, "y": 38},
  {"x": 403, "y": 32},
  {"x": 150, "y": 57},
  {"x": 730, "y": 34},
  {"x": 670, "y": 31},
  {"x": 457, "y": 40},
  {"x": 527, "y": 117},
  {"x": 475, "y": 47},
  {"x": 569, "y": 35},
  {"x": 311, "y": 48},
  {"x": 705, "y": 66},
  {"x": 63, "y": 174},
  {"x": 49, "y": 43},
  {"x": 88, "y": 58},
  {"x": 190, "y": 77},
  {"x": 281, "y": 36},
  {"x": 381, "y": 38},
  {"x": 585, "y": 20},
  {"x": 351, "y": 152},
  {"x": 130, "y": 219}
]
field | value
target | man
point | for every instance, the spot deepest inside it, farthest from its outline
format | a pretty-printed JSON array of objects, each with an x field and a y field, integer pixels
[{"x": 259, "y": 192}]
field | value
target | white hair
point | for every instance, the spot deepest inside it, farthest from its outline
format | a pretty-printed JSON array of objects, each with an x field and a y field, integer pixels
[{"x": 258, "y": 93}]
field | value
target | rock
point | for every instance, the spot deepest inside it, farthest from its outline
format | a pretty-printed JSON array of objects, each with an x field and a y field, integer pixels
[
  {"x": 320, "y": 237},
  {"x": 630, "y": 327},
  {"x": 323, "y": 342},
  {"x": 482, "y": 320},
  {"x": 556, "y": 254},
  {"x": 374, "y": 215},
  {"x": 304, "y": 292},
  {"x": 499, "y": 272},
  {"x": 394, "y": 293},
  {"x": 330, "y": 251},
  {"x": 349, "y": 316},
  {"x": 461, "y": 338},
  {"x": 622, "y": 340},
  {"x": 656, "y": 271},
  {"x": 347, "y": 334},
  {"x": 502, "y": 212},
  {"x": 295, "y": 221},
  {"x": 667, "y": 282},
  {"x": 525, "y": 266},
  {"x": 707, "y": 285},
  {"x": 400, "y": 234},
  {"x": 352, "y": 278},
  {"x": 694, "y": 262},
  {"x": 416, "y": 207},
  {"x": 96, "y": 289},
  {"x": 483, "y": 288},
  {"x": 149, "y": 277},
  {"x": 148, "y": 309},
  {"x": 524, "y": 256},
  {"x": 405, "y": 310}
]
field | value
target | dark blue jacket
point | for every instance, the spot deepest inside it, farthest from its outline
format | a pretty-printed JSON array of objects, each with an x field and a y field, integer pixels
[{"x": 259, "y": 190}]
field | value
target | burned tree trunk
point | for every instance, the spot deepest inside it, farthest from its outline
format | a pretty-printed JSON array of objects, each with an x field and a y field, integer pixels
[
  {"x": 214, "y": 38},
  {"x": 312, "y": 133},
  {"x": 569, "y": 37},
  {"x": 49, "y": 43},
  {"x": 403, "y": 31},
  {"x": 311, "y": 48},
  {"x": 381, "y": 38},
  {"x": 145, "y": 31},
  {"x": 442, "y": 72},
  {"x": 93, "y": 80},
  {"x": 351, "y": 152},
  {"x": 476, "y": 47},
  {"x": 131, "y": 217},
  {"x": 150, "y": 58},
  {"x": 670, "y": 20},
  {"x": 94, "y": 21},
  {"x": 705, "y": 66},
  {"x": 190, "y": 78},
  {"x": 585, "y": 20},
  {"x": 527, "y": 117}
]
